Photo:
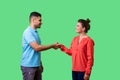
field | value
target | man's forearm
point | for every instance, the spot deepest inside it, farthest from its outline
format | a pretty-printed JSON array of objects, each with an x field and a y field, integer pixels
[
  {"x": 38, "y": 47},
  {"x": 42, "y": 48}
]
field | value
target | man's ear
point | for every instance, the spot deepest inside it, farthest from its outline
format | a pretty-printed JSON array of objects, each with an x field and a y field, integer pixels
[{"x": 33, "y": 19}]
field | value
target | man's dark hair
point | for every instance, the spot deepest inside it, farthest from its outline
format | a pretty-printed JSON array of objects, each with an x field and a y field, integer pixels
[{"x": 36, "y": 14}]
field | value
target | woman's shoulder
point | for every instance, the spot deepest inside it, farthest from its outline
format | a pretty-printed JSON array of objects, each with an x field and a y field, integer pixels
[
  {"x": 76, "y": 37},
  {"x": 90, "y": 39}
]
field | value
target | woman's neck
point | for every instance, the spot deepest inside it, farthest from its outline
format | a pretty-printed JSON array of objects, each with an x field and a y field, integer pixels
[{"x": 83, "y": 35}]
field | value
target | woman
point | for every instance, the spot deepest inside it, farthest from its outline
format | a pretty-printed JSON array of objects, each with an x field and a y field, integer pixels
[{"x": 81, "y": 50}]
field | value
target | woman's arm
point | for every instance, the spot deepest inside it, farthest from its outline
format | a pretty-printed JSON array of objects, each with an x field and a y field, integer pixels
[
  {"x": 90, "y": 56},
  {"x": 65, "y": 49}
]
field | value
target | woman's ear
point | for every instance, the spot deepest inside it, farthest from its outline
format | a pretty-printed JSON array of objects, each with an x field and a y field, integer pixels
[{"x": 83, "y": 29}]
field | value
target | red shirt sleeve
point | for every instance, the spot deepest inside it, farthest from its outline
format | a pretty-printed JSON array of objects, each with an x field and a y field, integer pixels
[
  {"x": 90, "y": 56},
  {"x": 66, "y": 50}
]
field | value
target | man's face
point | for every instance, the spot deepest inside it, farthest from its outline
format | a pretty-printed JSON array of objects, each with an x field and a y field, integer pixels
[{"x": 37, "y": 22}]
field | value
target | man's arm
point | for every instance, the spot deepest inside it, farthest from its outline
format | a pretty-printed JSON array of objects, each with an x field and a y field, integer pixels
[
  {"x": 38, "y": 47},
  {"x": 41, "y": 67}
]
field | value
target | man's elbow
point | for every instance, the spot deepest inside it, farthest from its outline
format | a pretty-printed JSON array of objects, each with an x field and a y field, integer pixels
[{"x": 37, "y": 49}]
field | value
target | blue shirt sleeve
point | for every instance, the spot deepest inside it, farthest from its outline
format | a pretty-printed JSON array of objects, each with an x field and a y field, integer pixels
[{"x": 29, "y": 37}]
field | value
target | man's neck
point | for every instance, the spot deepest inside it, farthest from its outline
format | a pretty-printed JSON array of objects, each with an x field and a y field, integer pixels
[{"x": 32, "y": 26}]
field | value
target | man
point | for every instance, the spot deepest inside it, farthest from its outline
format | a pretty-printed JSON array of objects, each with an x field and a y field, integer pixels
[{"x": 31, "y": 64}]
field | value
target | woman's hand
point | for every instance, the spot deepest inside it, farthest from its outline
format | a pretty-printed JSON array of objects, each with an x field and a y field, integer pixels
[
  {"x": 86, "y": 77},
  {"x": 59, "y": 45}
]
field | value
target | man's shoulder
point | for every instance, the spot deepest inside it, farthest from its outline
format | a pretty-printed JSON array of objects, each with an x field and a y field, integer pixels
[{"x": 26, "y": 31}]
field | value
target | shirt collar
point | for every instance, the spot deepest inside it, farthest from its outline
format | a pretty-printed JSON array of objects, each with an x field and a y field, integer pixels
[{"x": 32, "y": 29}]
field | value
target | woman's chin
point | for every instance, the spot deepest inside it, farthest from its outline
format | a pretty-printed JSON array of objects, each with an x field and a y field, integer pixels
[{"x": 77, "y": 31}]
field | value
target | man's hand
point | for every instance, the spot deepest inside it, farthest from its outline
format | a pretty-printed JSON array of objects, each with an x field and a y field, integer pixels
[
  {"x": 55, "y": 46},
  {"x": 86, "y": 77},
  {"x": 59, "y": 45},
  {"x": 41, "y": 68}
]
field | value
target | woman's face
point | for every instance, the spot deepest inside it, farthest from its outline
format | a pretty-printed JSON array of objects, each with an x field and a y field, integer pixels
[{"x": 79, "y": 28}]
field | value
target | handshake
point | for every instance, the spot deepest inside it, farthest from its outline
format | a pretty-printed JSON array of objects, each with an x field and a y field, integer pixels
[{"x": 57, "y": 45}]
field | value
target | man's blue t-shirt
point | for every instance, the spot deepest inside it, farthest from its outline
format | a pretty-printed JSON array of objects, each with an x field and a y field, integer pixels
[{"x": 30, "y": 58}]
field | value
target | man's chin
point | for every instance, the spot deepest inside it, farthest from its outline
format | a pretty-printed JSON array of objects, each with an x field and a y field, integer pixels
[{"x": 39, "y": 26}]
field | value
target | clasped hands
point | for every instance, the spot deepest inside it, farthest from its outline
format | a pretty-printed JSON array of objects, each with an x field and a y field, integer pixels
[{"x": 57, "y": 45}]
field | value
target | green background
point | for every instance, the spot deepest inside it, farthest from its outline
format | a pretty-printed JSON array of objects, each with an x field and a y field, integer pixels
[{"x": 59, "y": 21}]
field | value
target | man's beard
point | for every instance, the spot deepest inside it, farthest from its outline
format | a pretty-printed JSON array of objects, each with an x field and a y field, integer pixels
[{"x": 38, "y": 26}]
